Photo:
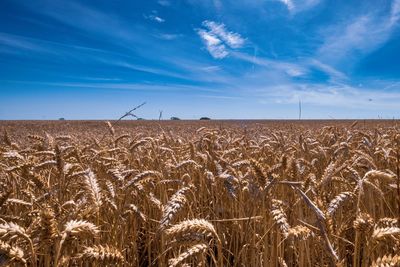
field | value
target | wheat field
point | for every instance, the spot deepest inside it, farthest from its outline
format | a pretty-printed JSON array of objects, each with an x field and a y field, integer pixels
[{"x": 199, "y": 194}]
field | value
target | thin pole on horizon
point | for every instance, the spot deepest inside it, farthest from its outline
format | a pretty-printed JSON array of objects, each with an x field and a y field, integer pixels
[{"x": 299, "y": 109}]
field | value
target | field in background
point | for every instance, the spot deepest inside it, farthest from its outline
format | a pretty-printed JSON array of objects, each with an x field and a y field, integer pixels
[
  {"x": 75, "y": 127},
  {"x": 199, "y": 193}
]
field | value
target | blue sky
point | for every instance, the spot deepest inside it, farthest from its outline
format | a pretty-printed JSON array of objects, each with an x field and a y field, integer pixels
[{"x": 191, "y": 58}]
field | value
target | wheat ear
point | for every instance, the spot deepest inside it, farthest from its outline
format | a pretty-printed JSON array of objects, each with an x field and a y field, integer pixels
[{"x": 193, "y": 250}]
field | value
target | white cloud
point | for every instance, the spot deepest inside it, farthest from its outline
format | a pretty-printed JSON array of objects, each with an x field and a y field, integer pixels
[
  {"x": 210, "y": 39},
  {"x": 295, "y": 72},
  {"x": 154, "y": 18},
  {"x": 289, "y": 4},
  {"x": 216, "y": 39},
  {"x": 213, "y": 44},
  {"x": 232, "y": 39},
  {"x": 158, "y": 19}
]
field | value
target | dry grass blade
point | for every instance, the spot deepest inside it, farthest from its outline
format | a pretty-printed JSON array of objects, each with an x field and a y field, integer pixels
[
  {"x": 321, "y": 225},
  {"x": 317, "y": 211}
]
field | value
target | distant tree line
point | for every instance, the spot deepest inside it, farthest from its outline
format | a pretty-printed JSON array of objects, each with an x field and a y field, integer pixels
[{"x": 178, "y": 119}]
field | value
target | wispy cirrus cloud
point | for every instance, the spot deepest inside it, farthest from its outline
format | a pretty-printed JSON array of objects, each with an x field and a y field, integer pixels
[
  {"x": 331, "y": 71},
  {"x": 154, "y": 17},
  {"x": 291, "y": 69},
  {"x": 210, "y": 68},
  {"x": 218, "y": 39},
  {"x": 394, "y": 13},
  {"x": 19, "y": 43},
  {"x": 123, "y": 86},
  {"x": 96, "y": 22},
  {"x": 297, "y": 6},
  {"x": 224, "y": 7},
  {"x": 66, "y": 54},
  {"x": 168, "y": 36},
  {"x": 330, "y": 95},
  {"x": 296, "y": 68},
  {"x": 141, "y": 68},
  {"x": 361, "y": 34}
]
